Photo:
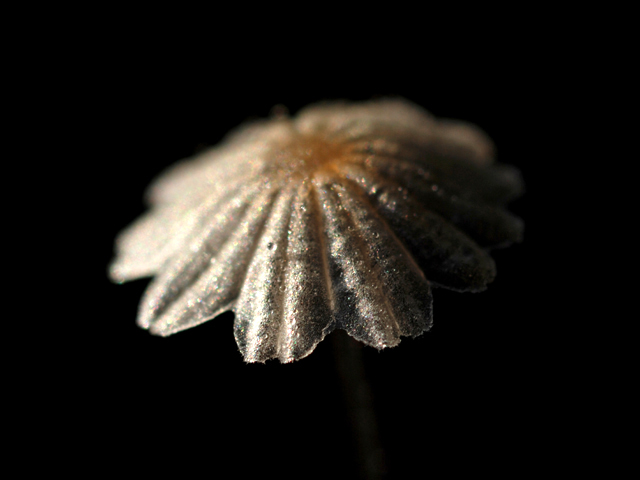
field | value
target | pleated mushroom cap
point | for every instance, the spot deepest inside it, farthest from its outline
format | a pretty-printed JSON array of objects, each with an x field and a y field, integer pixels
[{"x": 343, "y": 217}]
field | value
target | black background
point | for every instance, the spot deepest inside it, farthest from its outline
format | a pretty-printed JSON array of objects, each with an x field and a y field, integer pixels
[{"x": 470, "y": 393}]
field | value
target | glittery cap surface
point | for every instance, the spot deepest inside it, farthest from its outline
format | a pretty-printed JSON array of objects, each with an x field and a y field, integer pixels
[{"x": 342, "y": 217}]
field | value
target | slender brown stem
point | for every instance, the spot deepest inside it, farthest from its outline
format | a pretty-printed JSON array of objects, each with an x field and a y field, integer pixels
[{"x": 359, "y": 402}]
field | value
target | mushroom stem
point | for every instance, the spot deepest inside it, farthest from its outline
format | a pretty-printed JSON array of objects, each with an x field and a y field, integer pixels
[{"x": 359, "y": 402}]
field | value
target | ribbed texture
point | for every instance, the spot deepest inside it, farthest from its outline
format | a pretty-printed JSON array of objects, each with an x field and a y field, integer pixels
[{"x": 343, "y": 217}]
